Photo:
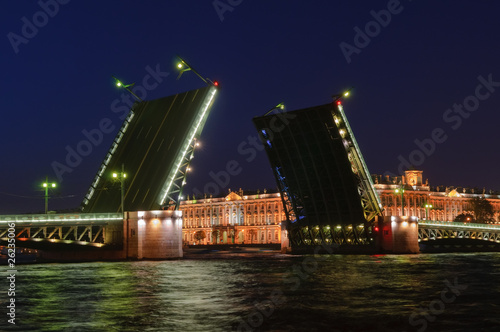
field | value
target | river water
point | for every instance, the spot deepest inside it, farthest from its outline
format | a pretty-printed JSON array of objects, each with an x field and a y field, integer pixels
[{"x": 262, "y": 292}]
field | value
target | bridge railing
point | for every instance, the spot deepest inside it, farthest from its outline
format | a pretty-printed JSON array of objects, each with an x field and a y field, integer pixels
[
  {"x": 74, "y": 217},
  {"x": 459, "y": 225}
]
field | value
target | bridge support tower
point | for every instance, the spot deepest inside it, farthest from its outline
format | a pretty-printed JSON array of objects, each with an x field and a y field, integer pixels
[
  {"x": 153, "y": 234},
  {"x": 397, "y": 234}
]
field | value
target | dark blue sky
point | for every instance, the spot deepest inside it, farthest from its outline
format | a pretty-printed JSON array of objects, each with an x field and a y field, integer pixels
[{"x": 427, "y": 58}]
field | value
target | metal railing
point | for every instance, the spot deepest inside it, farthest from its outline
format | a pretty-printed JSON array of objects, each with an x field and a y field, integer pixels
[
  {"x": 448, "y": 224},
  {"x": 62, "y": 217}
]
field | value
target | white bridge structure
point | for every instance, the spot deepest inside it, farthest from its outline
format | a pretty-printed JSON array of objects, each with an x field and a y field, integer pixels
[
  {"x": 93, "y": 229},
  {"x": 437, "y": 230}
]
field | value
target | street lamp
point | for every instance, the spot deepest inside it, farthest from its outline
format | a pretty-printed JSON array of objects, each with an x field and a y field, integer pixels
[
  {"x": 280, "y": 106},
  {"x": 121, "y": 177},
  {"x": 47, "y": 185},
  {"x": 340, "y": 95},
  {"x": 126, "y": 87},
  {"x": 401, "y": 191},
  {"x": 183, "y": 67},
  {"x": 427, "y": 207}
]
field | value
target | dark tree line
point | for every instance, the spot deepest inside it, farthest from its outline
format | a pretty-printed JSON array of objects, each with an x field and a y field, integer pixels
[{"x": 482, "y": 211}]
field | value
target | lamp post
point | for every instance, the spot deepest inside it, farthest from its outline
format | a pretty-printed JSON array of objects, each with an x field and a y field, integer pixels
[
  {"x": 280, "y": 106},
  {"x": 401, "y": 191},
  {"x": 47, "y": 185},
  {"x": 126, "y": 87},
  {"x": 183, "y": 67},
  {"x": 340, "y": 95},
  {"x": 121, "y": 177},
  {"x": 427, "y": 207}
]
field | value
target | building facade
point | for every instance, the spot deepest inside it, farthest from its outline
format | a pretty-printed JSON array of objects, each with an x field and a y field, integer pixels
[
  {"x": 255, "y": 218},
  {"x": 236, "y": 218},
  {"x": 446, "y": 202}
]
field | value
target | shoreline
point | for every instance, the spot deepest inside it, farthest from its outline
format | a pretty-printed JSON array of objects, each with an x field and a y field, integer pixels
[{"x": 266, "y": 251}]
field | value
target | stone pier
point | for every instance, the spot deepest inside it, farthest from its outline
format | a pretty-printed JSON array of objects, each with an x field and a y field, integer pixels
[
  {"x": 153, "y": 234},
  {"x": 397, "y": 235}
]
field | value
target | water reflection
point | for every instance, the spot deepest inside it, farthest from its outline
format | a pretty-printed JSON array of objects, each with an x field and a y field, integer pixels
[{"x": 336, "y": 293}]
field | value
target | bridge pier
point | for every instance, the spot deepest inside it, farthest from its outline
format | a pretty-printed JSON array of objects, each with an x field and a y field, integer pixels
[
  {"x": 397, "y": 234},
  {"x": 153, "y": 234},
  {"x": 392, "y": 235}
]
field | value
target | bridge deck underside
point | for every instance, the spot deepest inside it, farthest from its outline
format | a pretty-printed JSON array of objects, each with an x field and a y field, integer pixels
[
  {"x": 148, "y": 149},
  {"x": 315, "y": 177}
]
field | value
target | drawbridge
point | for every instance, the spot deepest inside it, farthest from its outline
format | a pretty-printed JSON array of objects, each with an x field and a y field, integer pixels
[
  {"x": 325, "y": 186},
  {"x": 152, "y": 152}
]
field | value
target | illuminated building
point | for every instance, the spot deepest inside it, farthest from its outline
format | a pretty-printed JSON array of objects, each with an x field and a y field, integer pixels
[
  {"x": 446, "y": 202},
  {"x": 256, "y": 218},
  {"x": 236, "y": 218}
]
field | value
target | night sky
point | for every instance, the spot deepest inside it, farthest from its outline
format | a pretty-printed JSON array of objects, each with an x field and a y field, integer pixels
[{"x": 412, "y": 73}]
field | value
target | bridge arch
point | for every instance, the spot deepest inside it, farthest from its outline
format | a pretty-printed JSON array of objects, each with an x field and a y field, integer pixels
[{"x": 439, "y": 230}]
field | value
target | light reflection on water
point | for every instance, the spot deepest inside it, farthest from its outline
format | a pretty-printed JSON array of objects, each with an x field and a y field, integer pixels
[{"x": 335, "y": 293}]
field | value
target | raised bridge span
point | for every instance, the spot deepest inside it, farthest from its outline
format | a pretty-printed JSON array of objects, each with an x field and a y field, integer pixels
[
  {"x": 326, "y": 188},
  {"x": 327, "y": 193}
]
